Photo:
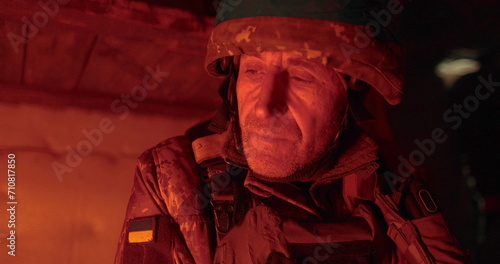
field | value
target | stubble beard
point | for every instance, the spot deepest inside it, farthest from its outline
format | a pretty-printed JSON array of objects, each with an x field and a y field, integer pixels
[{"x": 283, "y": 158}]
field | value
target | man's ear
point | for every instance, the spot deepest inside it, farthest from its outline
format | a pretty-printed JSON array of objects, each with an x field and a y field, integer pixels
[
  {"x": 225, "y": 65},
  {"x": 236, "y": 61}
]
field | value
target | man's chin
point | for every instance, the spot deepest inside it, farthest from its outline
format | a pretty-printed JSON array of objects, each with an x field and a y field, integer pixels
[
  {"x": 276, "y": 159},
  {"x": 270, "y": 167}
]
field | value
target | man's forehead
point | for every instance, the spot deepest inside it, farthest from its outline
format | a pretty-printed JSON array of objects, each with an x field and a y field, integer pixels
[{"x": 286, "y": 58}]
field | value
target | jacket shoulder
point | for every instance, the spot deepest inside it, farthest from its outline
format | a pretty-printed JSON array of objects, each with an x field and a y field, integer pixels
[
  {"x": 179, "y": 146},
  {"x": 173, "y": 148},
  {"x": 176, "y": 175}
]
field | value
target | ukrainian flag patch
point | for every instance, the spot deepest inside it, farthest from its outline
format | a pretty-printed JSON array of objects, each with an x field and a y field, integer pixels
[{"x": 141, "y": 230}]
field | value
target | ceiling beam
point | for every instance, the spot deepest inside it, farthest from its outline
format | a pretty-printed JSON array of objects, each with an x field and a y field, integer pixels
[{"x": 176, "y": 30}]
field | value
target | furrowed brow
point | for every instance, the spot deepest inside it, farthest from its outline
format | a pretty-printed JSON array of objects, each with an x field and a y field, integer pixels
[{"x": 302, "y": 63}]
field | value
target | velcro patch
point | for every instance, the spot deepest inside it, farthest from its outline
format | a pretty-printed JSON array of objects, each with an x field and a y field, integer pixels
[{"x": 141, "y": 230}]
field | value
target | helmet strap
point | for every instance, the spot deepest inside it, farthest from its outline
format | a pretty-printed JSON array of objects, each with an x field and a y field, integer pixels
[{"x": 227, "y": 91}]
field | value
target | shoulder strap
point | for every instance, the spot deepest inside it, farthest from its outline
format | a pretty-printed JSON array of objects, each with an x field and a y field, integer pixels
[
  {"x": 207, "y": 150},
  {"x": 228, "y": 196},
  {"x": 402, "y": 231},
  {"x": 416, "y": 226}
]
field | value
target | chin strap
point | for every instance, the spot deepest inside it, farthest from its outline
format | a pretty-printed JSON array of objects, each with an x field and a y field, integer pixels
[{"x": 227, "y": 91}]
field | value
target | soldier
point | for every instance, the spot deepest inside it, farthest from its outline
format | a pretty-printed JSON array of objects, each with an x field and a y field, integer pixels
[{"x": 286, "y": 172}]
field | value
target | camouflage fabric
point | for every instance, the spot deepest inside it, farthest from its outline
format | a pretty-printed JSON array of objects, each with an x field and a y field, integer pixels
[
  {"x": 167, "y": 189},
  {"x": 292, "y": 223},
  {"x": 349, "y": 36},
  {"x": 339, "y": 216},
  {"x": 284, "y": 224}
]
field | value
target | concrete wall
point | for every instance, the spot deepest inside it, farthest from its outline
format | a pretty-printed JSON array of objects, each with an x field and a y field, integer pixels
[{"x": 74, "y": 215}]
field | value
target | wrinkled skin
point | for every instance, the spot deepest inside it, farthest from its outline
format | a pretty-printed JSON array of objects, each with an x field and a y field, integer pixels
[{"x": 290, "y": 111}]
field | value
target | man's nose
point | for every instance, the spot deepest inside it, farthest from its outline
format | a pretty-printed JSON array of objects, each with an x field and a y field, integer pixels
[{"x": 272, "y": 95}]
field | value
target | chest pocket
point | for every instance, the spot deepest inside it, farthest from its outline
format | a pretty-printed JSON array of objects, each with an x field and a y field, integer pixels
[
  {"x": 348, "y": 242},
  {"x": 264, "y": 238}
]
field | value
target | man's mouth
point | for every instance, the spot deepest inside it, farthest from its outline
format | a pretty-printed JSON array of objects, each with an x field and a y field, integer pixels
[{"x": 268, "y": 136}]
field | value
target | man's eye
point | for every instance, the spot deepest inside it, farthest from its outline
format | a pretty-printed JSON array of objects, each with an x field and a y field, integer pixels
[
  {"x": 300, "y": 75},
  {"x": 252, "y": 71},
  {"x": 300, "y": 79},
  {"x": 305, "y": 78}
]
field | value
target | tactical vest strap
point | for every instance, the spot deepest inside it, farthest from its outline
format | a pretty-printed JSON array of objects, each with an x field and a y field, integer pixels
[
  {"x": 229, "y": 198},
  {"x": 403, "y": 232},
  {"x": 354, "y": 229},
  {"x": 207, "y": 150},
  {"x": 414, "y": 199}
]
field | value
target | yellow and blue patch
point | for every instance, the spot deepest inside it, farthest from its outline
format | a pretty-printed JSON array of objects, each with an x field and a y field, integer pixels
[{"x": 141, "y": 230}]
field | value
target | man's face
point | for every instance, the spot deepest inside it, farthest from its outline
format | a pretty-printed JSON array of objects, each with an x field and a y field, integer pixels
[{"x": 290, "y": 110}]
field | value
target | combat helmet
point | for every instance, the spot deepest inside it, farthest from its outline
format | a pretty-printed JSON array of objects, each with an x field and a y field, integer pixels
[{"x": 356, "y": 38}]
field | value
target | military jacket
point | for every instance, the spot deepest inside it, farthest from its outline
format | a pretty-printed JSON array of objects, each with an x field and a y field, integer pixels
[{"x": 340, "y": 216}]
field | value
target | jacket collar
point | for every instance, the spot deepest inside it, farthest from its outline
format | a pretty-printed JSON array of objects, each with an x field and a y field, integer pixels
[{"x": 355, "y": 162}]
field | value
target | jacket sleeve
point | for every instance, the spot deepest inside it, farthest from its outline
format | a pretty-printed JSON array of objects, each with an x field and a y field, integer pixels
[{"x": 149, "y": 234}]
